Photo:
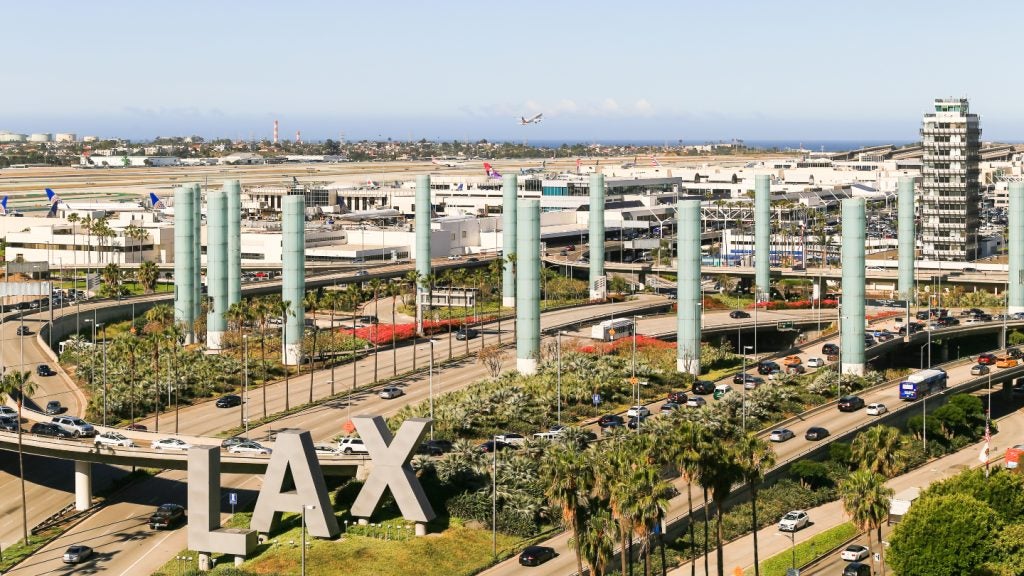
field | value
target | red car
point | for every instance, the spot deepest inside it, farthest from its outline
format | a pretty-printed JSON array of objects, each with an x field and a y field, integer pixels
[{"x": 987, "y": 359}]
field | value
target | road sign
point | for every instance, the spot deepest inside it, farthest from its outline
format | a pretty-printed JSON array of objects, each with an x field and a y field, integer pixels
[
  {"x": 784, "y": 325},
  {"x": 611, "y": 332},
  {"x": 886, "y": 303},
  {"x": 792, "y": 572},
  {"x": 233, "y": 498},
  {"x": 596, "y": 399},
  {"x": 633, "y": 380}
]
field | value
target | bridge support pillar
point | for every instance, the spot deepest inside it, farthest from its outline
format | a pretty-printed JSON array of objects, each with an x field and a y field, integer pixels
[
  {"x": 1015, "y": 303},
  {"x": 216, "y": 267},
  {"x": 239, "y": 560},
  {"x": 851, "y": 312},
  {"x": 184, "y": 274},
  {"x": 528, "y": 287},
  {"x": 83, "y": 485},
  {"x": 906, "y": 237},
  {"x": 598, "y": 281},
  {"x": 688, "y": 290},
  {"x": 510, "y": 196},
  {"x": 293, "y": 275}
]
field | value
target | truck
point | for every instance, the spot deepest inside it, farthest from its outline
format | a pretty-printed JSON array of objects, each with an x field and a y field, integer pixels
[
  {"x": 612, "y": 329},
  {"x": 900, "y": 504},
  {"x": 1014, "y": 455}
]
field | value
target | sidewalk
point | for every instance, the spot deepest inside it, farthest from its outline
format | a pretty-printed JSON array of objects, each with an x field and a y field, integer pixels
[{"x": 740, "y": 553}]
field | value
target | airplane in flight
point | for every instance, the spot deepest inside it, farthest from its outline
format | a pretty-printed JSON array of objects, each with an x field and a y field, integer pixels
[
  {"x": 56, "y": 203},
  {"x": 447, "y": 163},
  {"x": 535, "y": 119},
  {"x": 491, "y": 172}
]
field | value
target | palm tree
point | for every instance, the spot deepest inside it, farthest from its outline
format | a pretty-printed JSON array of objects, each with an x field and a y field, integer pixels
[
  {"x": 866, "y": 499},
  {"x": 88, "y": 222},
  {"x": 262, "y": 308},
  {"x": 154, "y": 341},
  {"x": 755, "y": 457},
  {"x": 568, "y": 476},
  {"x": 596, "y": 541},
  {"x": 495, "y": 269},
  {"x": 375, "y": 286},
  {"x": 683, "y": 450},
  {"x": 112, "y": 277},
  {"x": 283, "y": 308},
  {"x": 147, "y": 275},
  {"x": 16, "y": 382},
  {"x": 721, "y": 466},
  {"x": 128, "y": 345},
  {"x": 394, "y": 290},
  {"x": 238, "y": 314},
  {"x": 880, "y": 449},
  {"x": 353, "y": 295},
  {"x": 161, "y": 315},
  {"x": 412, "y": 281}
]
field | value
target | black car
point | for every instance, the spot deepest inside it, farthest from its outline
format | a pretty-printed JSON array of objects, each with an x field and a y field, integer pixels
[
  {"x": 434, "y": 447},
  {"x": 8, "y": 424},
  {"x": 830, "y": 349},
  {"x": 48, "y": 429},
  {"x": 536, "y": 555},
  {"x": 850, "y": 403},
  {"x": 45, "y": 370},
  {"x": 635, "y": 422},
  {"x": 743, "y": 378},
  {"x": 766, "y": 367},
  {"x": 677, "y": 397},
  {"x": 24, "y": 331},
  {"x": 166, "y": 515},
  {"x": 53, "y": 407},
  {"x": 610, "y": 420},
  {"x": 703, "y": 387},
  {"x": 229, "y": 401},
  {"x": 1014, "y": 353},
  {"x": 491, "y": 446},
  {"x": 466, "y": 334},
  {"x": 738, "y": 314},
  {"x": 816, "y": 433},
  {"x": 922, "y": 315}
]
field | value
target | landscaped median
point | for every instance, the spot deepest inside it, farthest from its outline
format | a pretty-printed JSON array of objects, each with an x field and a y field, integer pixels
[{"x": 808, "y": 551}]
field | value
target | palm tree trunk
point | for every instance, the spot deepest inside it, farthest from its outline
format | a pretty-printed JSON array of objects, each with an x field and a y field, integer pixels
[
  {"x": 721, "y": 537},
  {"x": 449, "y": 320},
  {"x": 693, "y": 535},
  {"x": 156, "y": 383},
  {"x": 284, "y": 340},
  {"x": 624, "y": 556},
  {"x": 753, "y": 524},
  {"x": 394, "y": 347},
  {"x": 263, "y": 361},
  {"x": 21, "y": 468},
  {"x": 707, "y": 520},
  {"x": 576, "y": 529},
  {"x": 373, "y": 330}
]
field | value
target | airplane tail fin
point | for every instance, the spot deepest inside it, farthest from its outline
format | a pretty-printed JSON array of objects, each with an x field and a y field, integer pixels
[
  {"x": 491, "y": 172},
  {"x": 3, "y": 206},
  {"x": 54, "y": 199},
  {"x": 654, "y": 161},
  {"x": 156, "y": 201}
]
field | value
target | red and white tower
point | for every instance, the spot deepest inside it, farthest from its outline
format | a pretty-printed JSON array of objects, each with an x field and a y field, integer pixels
[
  {"x": 275, "y": 132},
  {"x": 298, "y": 136}
]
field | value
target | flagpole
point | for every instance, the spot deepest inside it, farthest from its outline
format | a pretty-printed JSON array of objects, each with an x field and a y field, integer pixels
[{"x": 988, "y": 415}]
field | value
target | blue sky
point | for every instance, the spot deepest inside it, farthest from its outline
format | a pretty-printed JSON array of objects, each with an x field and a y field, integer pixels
[{"x": 461, "y": 69}]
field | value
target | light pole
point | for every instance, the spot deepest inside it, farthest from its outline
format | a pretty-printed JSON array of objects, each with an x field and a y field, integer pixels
[
  {"x": 757, "y": 298},
  {"x": 104, "y": 334},
  {"x": 430, "y": 385},
  {"x": 558, "y": 377},
  {"x": 494, "y": 497},
  {"x": 745, "y": 349},
  {"x": 245, "y": 384},
  {"x": 304, "y": 508}
]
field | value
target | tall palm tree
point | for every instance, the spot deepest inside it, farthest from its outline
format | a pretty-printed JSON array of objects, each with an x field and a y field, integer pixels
[
  {"x": 127, "y": 345},
  {"x": 88, "y": 222},
  {"x": 283, "y": 308},
  {"x": 568, "y": 477},
  {"x": 353, "y": 296},
  {"x": 375, "y": 286},
  {"x": 495, "y": 269},
  {"x": 16, "y": 382},
  {"x": 880, "y": 449},
  {"x": 238, "y": 314},
  {"x": 866, "y": 499},
  {"x": 683, "y": 449},
  {"x": 597, "y": 541},
  {"x": 162, "y": 315},
  {"x": 394, "y": 290},
  {"x": 412, "y": 282},
  {"x": 112, "y": 277},
  {"x": 147, "y": 275},
  {"x": 262, "y": 308},
  {"x": 755, "y": 457},
  {"x": 154, "y": 340},
  {"x": 721, "y": 466}
]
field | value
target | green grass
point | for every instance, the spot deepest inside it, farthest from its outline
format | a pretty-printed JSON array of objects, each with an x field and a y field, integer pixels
[
  {"x": 734, "y": 301},
  {"x": 807, "y": 551},
  {"x": 17, "y": 552}
]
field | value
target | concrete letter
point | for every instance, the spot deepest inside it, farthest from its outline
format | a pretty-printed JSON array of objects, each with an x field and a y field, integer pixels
[
  {"x": 391, "y": 468},
  {"x": 293, "y": 451},
  {"x": 204, "y": 531}
]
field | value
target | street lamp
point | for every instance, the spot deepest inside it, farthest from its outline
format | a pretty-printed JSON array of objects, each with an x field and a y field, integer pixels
[
  {"x": 494, "y": 496},
  {"x": 244, "y": 412},
  {"x": 430, "y": 385},
  {"x": 744, "y": 417},
  {"x": 304, "y": 508}
]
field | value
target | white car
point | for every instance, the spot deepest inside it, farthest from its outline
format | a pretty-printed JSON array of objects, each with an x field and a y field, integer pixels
[
  {"x": 352, "y": 446},
  {"x": 249, "y": 448},
  {"x": 638, "y": 412},
  {"x": 390, "y": 392},
  {"x": 814, "y": 362},
  {"x": 114, "y": 439},
  {"x": 8, "y": 411},
  {"x": 324, "y": 449},
  {"x": 695, "y": 402},
  {"x": 170, "y": 444},
  {"x": 876, "y": 409},
  {"x": 855, "y": 553},
  {"x": 510, "y": 438},
  {"x": 794, "y": 521}
]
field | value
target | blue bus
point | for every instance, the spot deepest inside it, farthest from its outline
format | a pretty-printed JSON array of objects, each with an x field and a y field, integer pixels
[{"x": 923, "y": 383}]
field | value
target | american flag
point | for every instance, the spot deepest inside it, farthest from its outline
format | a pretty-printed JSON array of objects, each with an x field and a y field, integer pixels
[{"x": 983, "y": 457}]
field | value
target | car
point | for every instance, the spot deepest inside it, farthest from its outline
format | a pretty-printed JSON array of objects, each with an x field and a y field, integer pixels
[
  {"x": 855, "y": 552},
  {"x": 491, "y": 446},
  {"x": 24, "y": 331},
  {"x": 984, "y": 317},
  {"x": 610, "y": 420},
  {"x": 77, "y": 553},
  {"x": 677, "y": 397},
  {"x": 112, "y": 438},
  {"x": 640, "y": 411},
  {"x": 511, "y": 438},
  {"x": 696, "y": 402},
  {"x": 232, "y": 441},
  {"x": 869, "y": 341},
  {"x": 794, "y": 521},
  {"x": 1014, "y": 353},
  {"x": 249, "y": 448},
  {"x": 323, "y": 449},
  {"x": 362, "y": 273},
  {"x": 979, "y": 370},
  {"x": 830, "y": 349},
  {"x": 167, "y": 515},
  {"x": 816, "y": 433},
  {"x": 735, "y": 314},
  {"x": 551, "y": 434},
  {"x": 76, "y": 426},
  {"x": 857, "y": 569},
  {"x": 780, "y": 435},
  {"x": 876, "y": 409},
  {"x": 703, "y": 387},
  {"x": 797, "y": 369},
  {"x": 986, "y": 359},
  {"x": 53, "y": 407},
  {"x": 571, "y": 247},
  {"x": 350, "y": 445},
  {"x": 8, "y": 424},
  {"x": 453, "y": 256},
  {"x": 764, "y": 367},
  {"x": 49, "y": 429},
  {"x": 472, "y": 259},
  {"x": 754, "y": 381},
  {"x": 635, "y": 422},
  {"x": 536, "y": 555},
  {"x": 793, "y": 360},
  {"x": 434, "y": 447},
  {"x": 44, "y": 370},
  {"x": 8, "y": 412},
  {"x": 229, "y": 401},
  {"x": 850, "y": 403},
  {"x": 721, "y": 390},
  {"x": 972, "y": 312},
  {"x": 883, "y": 335},
  {"x": 390, "y": 392},
  {"x": 1006, "y": 362},
  {"x": 668, "y": 407},
  {"x": 741, "y": 377},
  {"x": 466, "y": 334},
  {"x": 136, "y": 427},
  {"x": 170, "y": 444}
]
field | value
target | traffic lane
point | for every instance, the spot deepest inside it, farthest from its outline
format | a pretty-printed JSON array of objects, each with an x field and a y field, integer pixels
[{"x": 24, "y": 353}]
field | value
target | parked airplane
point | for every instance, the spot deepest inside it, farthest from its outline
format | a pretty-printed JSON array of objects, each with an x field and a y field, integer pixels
[
  {"x": 5, "y": 212},
  {"x": 57, "y": 204},
  {"x": 535, "y": 119},
  {"x": 447, "y": 163},
  {"x": 542, "y": 169},
  {"x": 363, "y": 215},
  {"x": 491, "y": 172},
  {"x": 160, "y": 206}
]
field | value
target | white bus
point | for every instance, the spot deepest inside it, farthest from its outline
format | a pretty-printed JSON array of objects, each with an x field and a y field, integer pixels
[{"x": 612, "y": 329}]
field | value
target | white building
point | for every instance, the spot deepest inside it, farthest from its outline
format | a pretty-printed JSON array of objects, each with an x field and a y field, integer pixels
[
  {"x": 61, "y": 243},
  {"x": 65, "y": 137}
]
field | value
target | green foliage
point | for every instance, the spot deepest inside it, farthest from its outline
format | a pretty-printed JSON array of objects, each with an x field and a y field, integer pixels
[
  {"x": 840, "y": 453},
  {"x": 1002, "y": 490},
  {"x": 946, "y": 535},
  {"x": 806, "y": 551},
  {"x": 810, "y": 473},
  {"x": 1015, "y": 338}
]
